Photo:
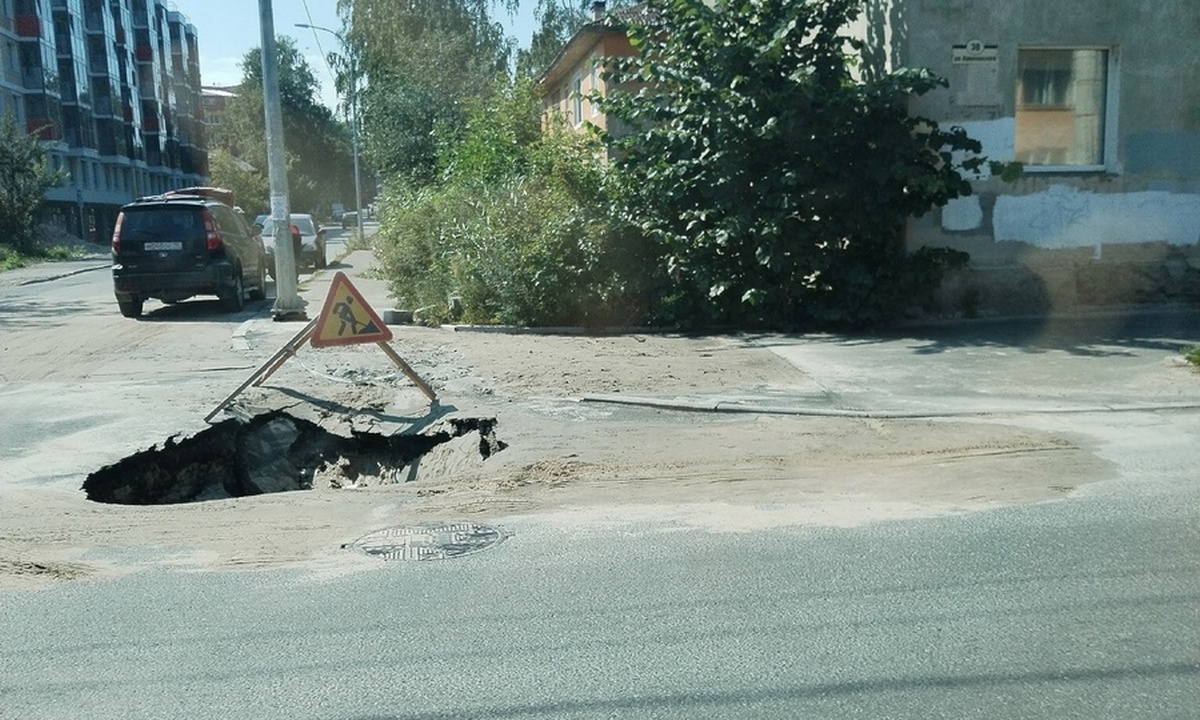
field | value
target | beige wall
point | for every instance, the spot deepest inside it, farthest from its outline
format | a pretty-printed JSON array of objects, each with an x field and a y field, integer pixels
[{"x": 559, "y": 99}]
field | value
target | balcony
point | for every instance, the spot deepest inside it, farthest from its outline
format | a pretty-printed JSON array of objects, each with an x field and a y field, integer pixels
[
  {"x": 28, "y": 26},
  {"x": 43, "y": 129}
]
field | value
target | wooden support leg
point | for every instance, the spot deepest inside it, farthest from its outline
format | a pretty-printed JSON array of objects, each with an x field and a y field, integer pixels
[
  {"x": 412, "y": 374},
  {"x": 286, "y": 353},
  {"x": 272, "y": 364}
]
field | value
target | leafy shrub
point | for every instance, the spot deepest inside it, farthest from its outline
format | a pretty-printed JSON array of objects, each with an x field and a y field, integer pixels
[
  {"x": 776, "y": 182},
  {"x": 518, "y": 231}
]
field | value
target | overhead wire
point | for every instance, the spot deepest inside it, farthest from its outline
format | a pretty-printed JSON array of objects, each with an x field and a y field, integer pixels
[{"x": 317, "y": 39}]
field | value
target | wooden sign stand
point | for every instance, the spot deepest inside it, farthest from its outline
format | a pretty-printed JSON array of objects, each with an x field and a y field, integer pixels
[{"x": 323, "y": 325}]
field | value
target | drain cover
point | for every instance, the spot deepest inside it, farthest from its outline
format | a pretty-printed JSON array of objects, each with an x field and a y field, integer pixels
[{"x": 428, "y": 542}]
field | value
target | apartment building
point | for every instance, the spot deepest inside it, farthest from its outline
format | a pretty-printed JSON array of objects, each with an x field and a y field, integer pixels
[{"x": 114, "y": 87}]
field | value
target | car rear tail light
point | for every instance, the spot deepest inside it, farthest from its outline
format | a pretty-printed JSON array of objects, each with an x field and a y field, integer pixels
[
  {"x": 116, "y": 238},
  {"x": 213, "y": 238}
]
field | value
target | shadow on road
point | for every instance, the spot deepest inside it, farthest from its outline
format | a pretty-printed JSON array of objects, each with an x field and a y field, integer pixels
[{"x": 1099, "y": 335}]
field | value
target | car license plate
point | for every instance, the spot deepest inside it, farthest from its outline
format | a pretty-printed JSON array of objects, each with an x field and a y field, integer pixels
[{"x": 163, "y": 246}]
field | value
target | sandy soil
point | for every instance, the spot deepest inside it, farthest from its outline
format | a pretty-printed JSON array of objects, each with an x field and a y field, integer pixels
[{"x": 565, "y": 461}]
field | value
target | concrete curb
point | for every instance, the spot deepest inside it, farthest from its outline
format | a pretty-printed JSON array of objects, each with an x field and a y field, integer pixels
[
  {"x": 561, "y": 330},
  {"x": 59, "y": 276},
  {"x": 752, "y": 408}
]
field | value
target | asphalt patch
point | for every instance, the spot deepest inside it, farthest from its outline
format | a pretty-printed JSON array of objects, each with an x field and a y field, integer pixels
[{"x": 273, "y": 452}]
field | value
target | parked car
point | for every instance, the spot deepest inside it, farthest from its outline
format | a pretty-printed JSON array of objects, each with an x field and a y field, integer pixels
[
  {"x": 185, "y": 243},
  {"x": 312, "y": 242}
]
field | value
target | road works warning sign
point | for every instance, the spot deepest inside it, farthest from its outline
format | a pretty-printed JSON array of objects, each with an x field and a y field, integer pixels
[{"x": 347, "y": 319}]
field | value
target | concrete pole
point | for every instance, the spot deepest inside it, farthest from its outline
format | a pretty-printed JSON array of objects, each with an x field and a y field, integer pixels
[
  {"x": 354, "y": 140},
  {"x": 288, "y": 303}
]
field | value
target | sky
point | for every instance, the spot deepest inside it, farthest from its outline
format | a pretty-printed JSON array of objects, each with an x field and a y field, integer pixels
[{"x": 228, "y": 29}]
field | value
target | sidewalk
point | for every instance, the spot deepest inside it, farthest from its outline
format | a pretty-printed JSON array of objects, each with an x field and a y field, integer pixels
[
  {"x": 54, "y": 269},
  {"x": 314, "y": 288}
]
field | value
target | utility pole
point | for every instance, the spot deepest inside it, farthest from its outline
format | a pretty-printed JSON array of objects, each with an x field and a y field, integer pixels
[{"x": 288, "y": 303}]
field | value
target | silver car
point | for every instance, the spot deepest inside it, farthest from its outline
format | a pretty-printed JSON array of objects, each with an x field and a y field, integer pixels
[{"x": 312, "y": 242}]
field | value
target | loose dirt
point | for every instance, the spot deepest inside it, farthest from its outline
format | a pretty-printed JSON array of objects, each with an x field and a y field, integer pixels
[{"x": 563, "y": 460}]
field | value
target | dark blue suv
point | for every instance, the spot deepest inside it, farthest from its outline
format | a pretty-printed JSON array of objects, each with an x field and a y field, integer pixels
[{"x": 185, "y": 243}]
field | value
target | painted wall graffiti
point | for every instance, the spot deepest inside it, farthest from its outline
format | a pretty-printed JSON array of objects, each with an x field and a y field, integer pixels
[{"x": 1064, "y": 217}]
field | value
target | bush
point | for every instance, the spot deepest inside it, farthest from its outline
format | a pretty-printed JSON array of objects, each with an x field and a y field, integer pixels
[
  {"x": 519, "y": 230},
  {"x": 24, "y": 180},
  {"x": 523, "y": 252},
  {"x": 775, "y": 180}
]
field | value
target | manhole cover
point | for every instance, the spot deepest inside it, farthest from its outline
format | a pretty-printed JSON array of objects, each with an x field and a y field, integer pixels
[{"x": 428, "y": 542}]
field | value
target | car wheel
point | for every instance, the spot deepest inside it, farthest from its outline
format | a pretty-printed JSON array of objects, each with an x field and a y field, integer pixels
[
  {"x": 132, "y": 306},
  {"x": 233, "y": 298},
  {"x": 260, "y": 290}
]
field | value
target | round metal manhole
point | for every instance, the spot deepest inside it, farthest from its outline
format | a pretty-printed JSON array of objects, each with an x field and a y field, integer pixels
[{"x": 428, "y": 542}]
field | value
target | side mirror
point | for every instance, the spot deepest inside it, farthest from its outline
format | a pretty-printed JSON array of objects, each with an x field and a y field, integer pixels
[{"x": 257, "y": 228}]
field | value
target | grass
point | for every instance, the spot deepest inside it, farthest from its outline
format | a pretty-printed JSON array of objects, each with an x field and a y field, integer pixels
[
  {"x": 11, "y": 258},
  {"x": 1192, "y": 354}
]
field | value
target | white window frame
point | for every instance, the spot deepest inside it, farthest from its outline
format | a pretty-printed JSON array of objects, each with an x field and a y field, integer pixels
[
  {"x": 595, "y": 81},
  {"x": 1112, "y": 94},
  {"x": 576, "y": 98}
]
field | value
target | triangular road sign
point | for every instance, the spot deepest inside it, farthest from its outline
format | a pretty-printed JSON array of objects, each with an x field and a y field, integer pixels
[{"x": 347, "y": 319}]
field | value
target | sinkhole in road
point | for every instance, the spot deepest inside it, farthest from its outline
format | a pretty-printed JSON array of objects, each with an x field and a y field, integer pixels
[{"x": 278, "y": 452}]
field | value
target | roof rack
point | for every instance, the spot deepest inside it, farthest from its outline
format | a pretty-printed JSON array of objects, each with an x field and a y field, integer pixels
[{"x": 216, "y": 193}]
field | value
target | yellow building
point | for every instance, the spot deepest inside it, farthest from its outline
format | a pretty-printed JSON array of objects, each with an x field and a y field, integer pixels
[{"x": 578, "y": 69}]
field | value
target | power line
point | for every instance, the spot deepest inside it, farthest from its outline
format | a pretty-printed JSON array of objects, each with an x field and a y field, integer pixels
[{"x": 317, "y": 39}]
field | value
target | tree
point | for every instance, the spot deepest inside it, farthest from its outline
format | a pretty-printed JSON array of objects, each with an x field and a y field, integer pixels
[
  {"x": 316, "y": 146},
  {"x": 423, "y": 64},
  {"x": 558, "y": 21},
  {"x": 250, "y": 185},
  {"x": 24, "y": 180},
  {"x": 776, "y": 183}
]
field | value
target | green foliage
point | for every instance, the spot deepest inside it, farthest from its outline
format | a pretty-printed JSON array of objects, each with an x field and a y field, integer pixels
[
  {"x": 316, "y": 146},
  {"x": 401, "y": 124},
  {"x": 423, "y": 65},
  {"x": 518, "y": 229},
  {"x": 776, "y": 184},
  {"x": 249, "y": 184},
  {"x": 24, "y": 180},
  {"x": 1192, "y": 355},
  {"x": 11, "y": 258},
  {"x": 558, "y": 21}
]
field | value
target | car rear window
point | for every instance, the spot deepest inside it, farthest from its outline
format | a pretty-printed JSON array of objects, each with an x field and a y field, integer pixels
[
  {"x": 183, "y": 223},
  {"x": 305, "y": 225}
]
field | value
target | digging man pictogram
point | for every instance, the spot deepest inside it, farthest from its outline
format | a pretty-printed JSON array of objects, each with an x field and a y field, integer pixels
[{"x": 345, "y": 313}]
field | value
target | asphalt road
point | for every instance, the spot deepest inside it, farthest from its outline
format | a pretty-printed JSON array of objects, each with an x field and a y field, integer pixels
[{"x": 1081, "y": 608}]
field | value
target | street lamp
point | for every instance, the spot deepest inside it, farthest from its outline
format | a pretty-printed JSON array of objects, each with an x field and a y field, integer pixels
[{"x": 353, "y": 120}]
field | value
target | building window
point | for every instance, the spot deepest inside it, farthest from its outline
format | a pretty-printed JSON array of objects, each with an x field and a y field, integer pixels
[
  {"x": 577, "y": 99},
  {"x": 595, "y": 84},
  {"x": 1062, "y": 98}
]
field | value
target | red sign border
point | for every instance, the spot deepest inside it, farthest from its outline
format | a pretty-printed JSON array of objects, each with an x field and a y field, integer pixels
[{"x": 339, "y": 279}]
